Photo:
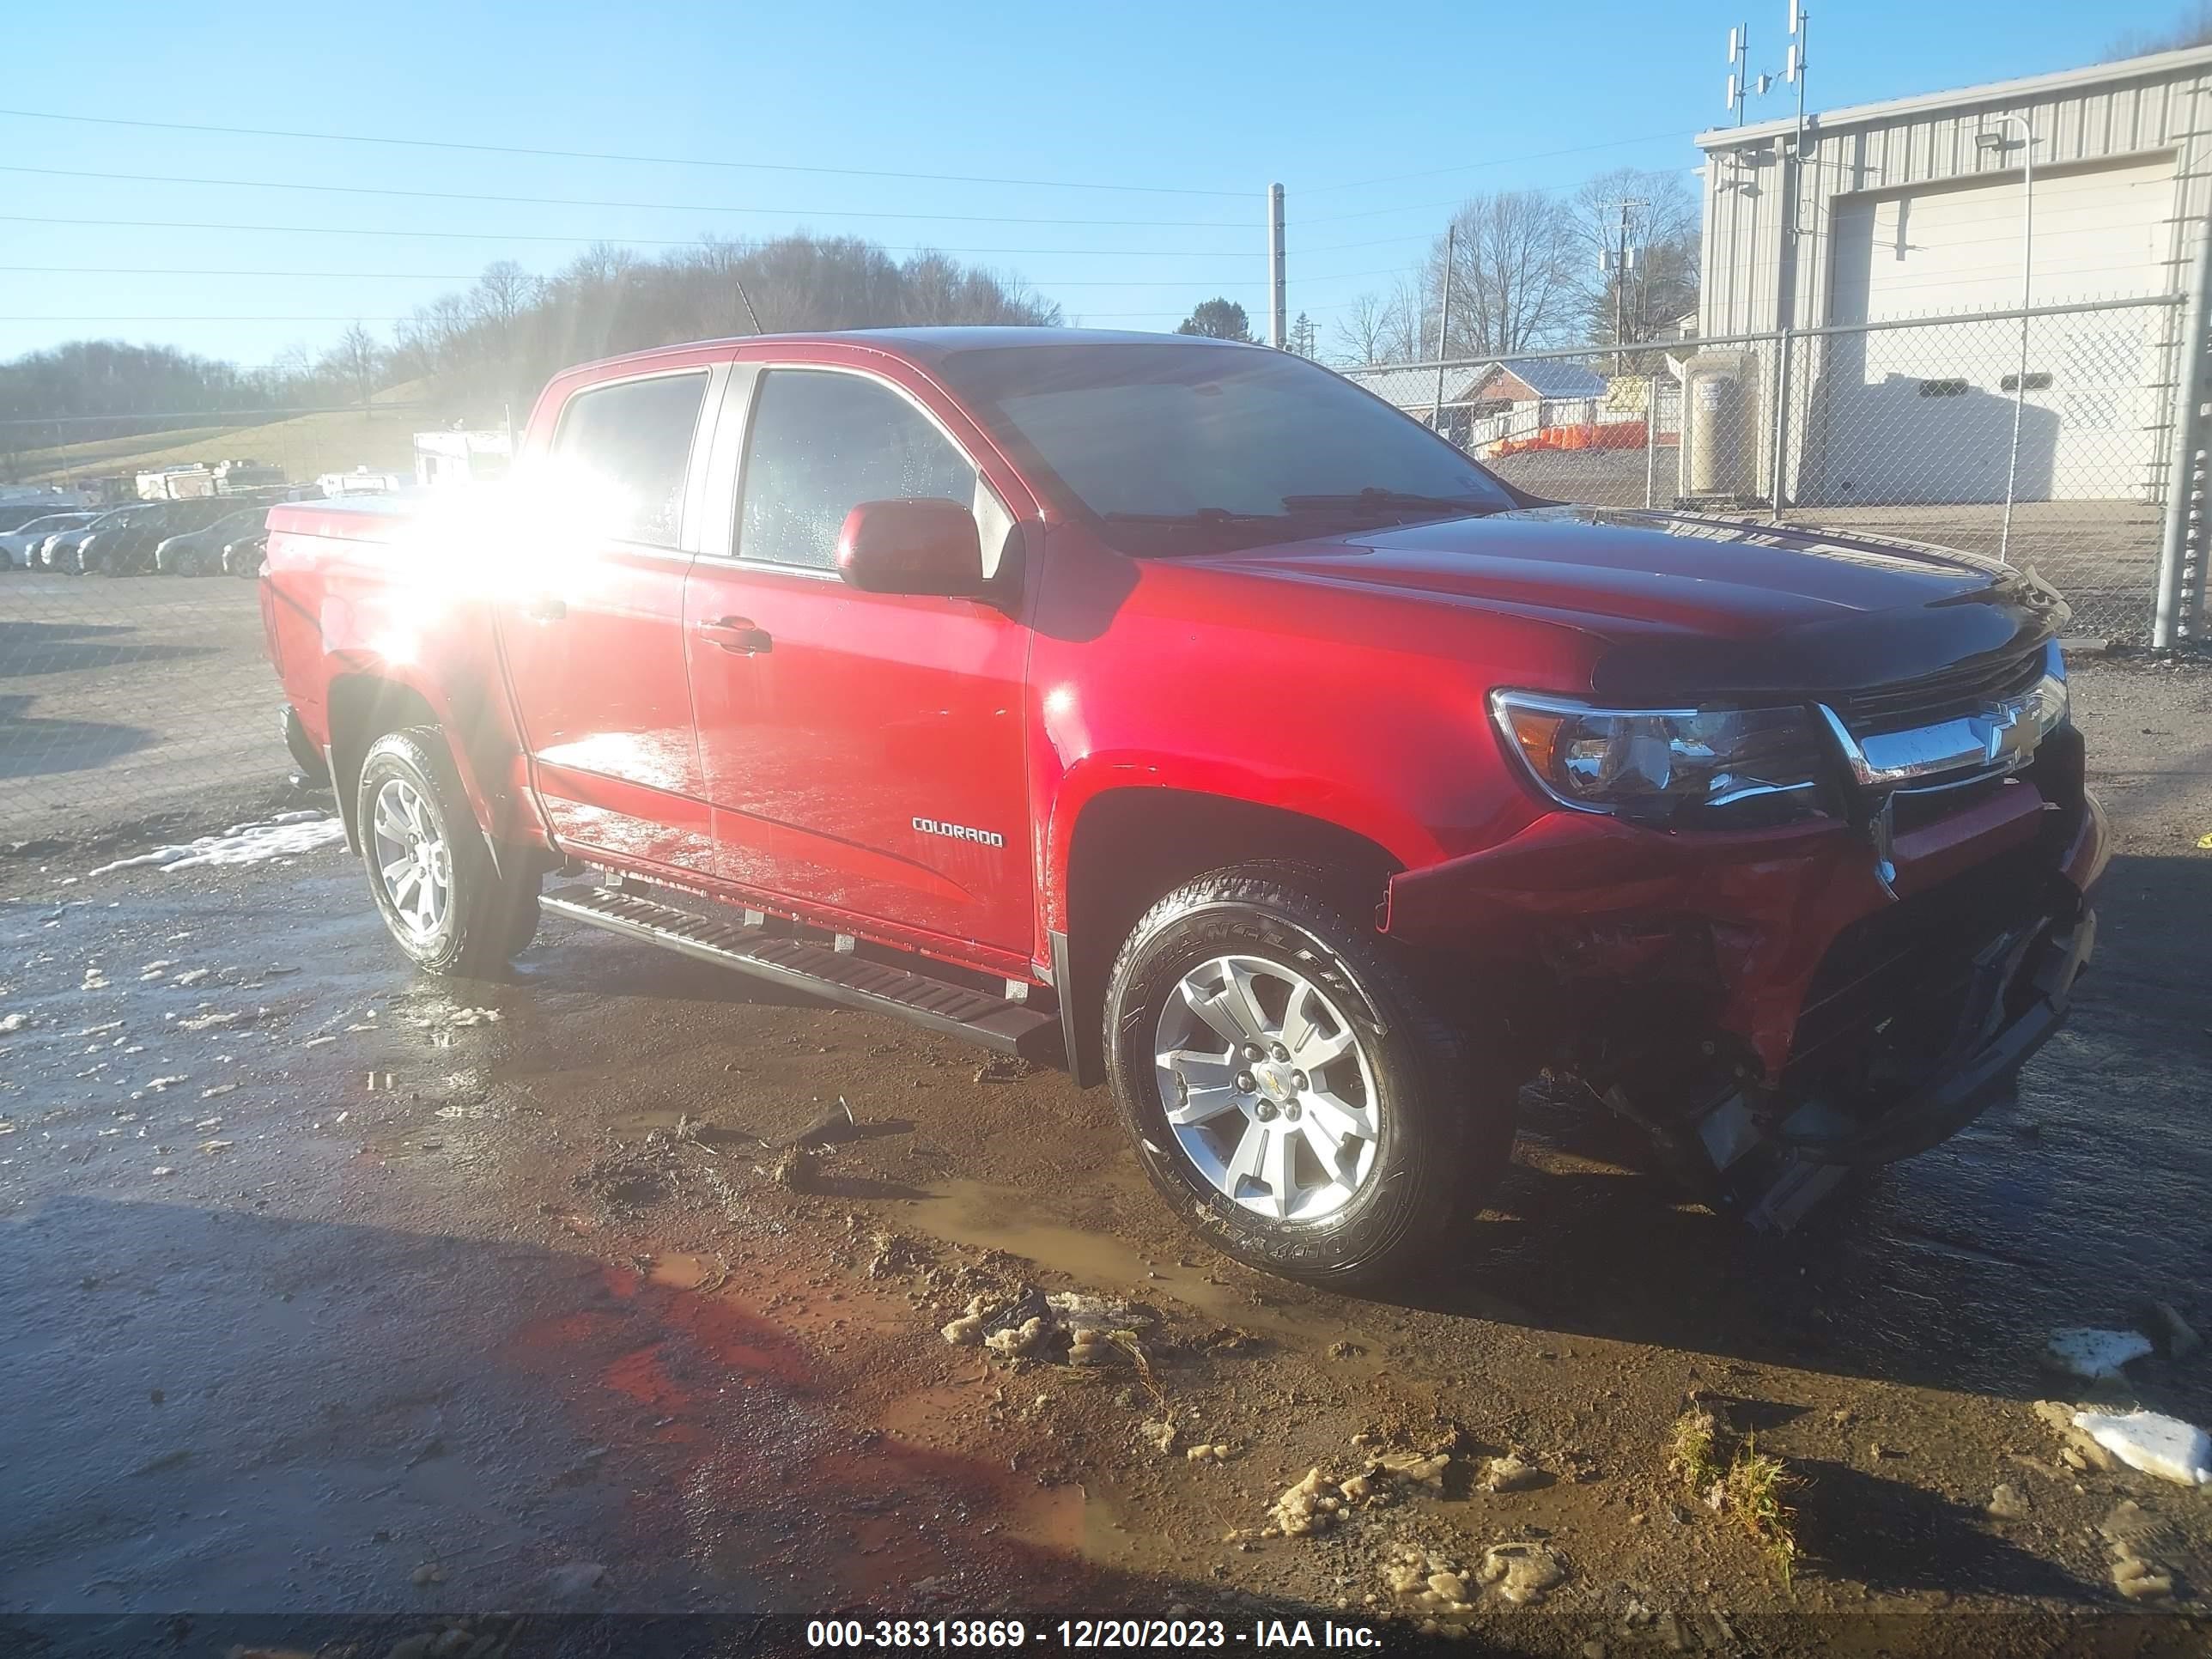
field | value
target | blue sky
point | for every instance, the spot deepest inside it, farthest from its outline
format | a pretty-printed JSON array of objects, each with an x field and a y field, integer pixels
[{"x": 1202, "y": 98}]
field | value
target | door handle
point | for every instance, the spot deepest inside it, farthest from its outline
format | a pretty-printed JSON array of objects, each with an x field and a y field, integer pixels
[
  {"x": 739, "y": 635},
  {"x": 545, "y": 610}
]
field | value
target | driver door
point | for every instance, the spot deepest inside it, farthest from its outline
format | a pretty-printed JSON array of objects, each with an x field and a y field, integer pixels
[{"x": 862, "y": 752}]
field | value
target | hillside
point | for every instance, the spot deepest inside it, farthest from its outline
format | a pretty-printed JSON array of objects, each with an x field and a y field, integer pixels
[{"x": 382, "y": 436}]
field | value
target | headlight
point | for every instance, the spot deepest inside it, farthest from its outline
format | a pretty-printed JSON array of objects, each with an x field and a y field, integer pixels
[
  {"x": 1716, "y": 768},
  {"x": 2046, "y": 704}
]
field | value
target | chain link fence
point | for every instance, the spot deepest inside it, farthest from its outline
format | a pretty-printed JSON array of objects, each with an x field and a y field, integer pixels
[
  {"x": 2043, "y": 436},
  {"x": 131, "y": 691}
]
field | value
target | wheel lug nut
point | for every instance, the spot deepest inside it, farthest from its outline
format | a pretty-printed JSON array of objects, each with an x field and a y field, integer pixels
[
  {"x": 1279, "y": 1052},
  {"x": 1291, "y": 1112},
  {"x": 1298, "y": 1079},
  {"x": 1246, "y": 1082},
  {"x": 1252, "y": 1051},
  {"x": 1266, "y": 1111}
]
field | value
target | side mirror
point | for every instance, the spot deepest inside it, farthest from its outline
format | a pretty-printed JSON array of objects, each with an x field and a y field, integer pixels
[{"x": 913, "y": 546}]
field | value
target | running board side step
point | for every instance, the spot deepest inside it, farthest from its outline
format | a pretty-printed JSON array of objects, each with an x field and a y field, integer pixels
[{"x": 1010, "y": 1028}]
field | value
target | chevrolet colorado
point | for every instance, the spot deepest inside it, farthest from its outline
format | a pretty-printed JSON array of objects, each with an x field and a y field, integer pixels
[{"x": 1176, "y": 711}]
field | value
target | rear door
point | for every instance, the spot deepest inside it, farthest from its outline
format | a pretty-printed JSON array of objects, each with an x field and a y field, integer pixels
[
  {"x": 863, "y": 751},
  {"x": 591, "y": 618}
]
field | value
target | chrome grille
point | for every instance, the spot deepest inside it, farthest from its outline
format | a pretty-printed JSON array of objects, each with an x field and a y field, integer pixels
[{"x": 1960, "y": 691}]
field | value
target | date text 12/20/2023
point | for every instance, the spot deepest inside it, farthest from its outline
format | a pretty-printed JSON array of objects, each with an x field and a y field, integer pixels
[{"x": 1087, "y": 1633}]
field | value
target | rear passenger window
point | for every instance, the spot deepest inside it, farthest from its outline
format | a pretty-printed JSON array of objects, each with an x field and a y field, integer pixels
[
  {"x": 822, "y": 444},
  {"x": 634, "y": 440}
]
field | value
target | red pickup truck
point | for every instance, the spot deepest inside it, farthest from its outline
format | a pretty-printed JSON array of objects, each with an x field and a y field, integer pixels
[{"x": 1176, "y": 711}]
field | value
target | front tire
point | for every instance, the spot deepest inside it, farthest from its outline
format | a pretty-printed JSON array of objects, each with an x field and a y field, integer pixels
[
  {"x": 1290, "y": 1089},
  {"x": 432, "y": 875}
]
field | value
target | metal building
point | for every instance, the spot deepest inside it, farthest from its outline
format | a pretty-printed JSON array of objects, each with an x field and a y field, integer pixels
[{"x": 1885, "y": 214}]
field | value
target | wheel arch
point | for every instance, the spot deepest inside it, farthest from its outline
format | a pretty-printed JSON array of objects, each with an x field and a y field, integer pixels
[
  {"x": 1129, "y": 847},
  {"x": 364, "y": 700},
  {"x": 361, "y": 708}
]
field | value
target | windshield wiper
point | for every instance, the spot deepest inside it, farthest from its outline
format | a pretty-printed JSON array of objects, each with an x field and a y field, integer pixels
[
  {"x": 1390, "y": 501},
  {"x": 1197, "y": 516}
]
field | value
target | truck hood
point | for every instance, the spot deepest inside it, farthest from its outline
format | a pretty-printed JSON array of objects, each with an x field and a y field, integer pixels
[{"x": 1694, "y": 606}]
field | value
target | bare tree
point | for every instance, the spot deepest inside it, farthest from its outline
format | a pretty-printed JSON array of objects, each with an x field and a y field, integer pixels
[
  {"x": 1513, "y": 286},
  {"x": 1637, "y": 300},
  {"x": 355, "y": 360},
  {"x": 2192, "y": 28},
  {"x": 503, "y": 295},
  {"x": 1381, "y": 328},
  {"x": 1360, "y": 331}
]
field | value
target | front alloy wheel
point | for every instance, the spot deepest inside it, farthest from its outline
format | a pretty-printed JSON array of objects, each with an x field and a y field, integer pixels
[
  {"x": 1269, "y": 1090},
  {"x": 1290, "y": 1088}
]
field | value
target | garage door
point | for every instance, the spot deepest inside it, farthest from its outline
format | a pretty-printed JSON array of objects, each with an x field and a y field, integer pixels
[{"x": 1926, "y": 415}]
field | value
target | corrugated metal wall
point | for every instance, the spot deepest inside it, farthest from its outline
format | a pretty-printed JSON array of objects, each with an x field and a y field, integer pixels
[{"x": 1746, "y": 263}]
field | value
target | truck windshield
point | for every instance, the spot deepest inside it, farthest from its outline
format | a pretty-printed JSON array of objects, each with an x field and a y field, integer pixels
[{"x": 1182, "y": 448}]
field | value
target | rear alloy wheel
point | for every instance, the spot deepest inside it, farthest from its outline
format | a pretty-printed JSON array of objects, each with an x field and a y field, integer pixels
[
  {"x": 1288, "y": 1087},
  {"x": 432, "y": 874}
]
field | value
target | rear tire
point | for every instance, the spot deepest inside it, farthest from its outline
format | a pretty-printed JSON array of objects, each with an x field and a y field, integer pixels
[
  {"x": 430, "y": 868},
  {"x": 1352, "y": 1172}
]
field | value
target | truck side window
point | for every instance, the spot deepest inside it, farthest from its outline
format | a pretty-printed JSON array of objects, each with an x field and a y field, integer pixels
[
  {"x": 823, "y": 443},
  {"x": 633, "y": 440}
]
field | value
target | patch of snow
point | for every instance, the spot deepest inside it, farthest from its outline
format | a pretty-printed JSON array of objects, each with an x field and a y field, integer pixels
[
  {"x": 284, "y": 835},
  {"x": 2096, "y": 1354},
  {"x": 13, "y": 1023},
  {"x": 2154, "y": 1442},
  {"x": 190, "y": 976}
]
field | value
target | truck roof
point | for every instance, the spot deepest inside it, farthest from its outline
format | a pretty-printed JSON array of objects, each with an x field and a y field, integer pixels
[{"x": 928, "y": 344}]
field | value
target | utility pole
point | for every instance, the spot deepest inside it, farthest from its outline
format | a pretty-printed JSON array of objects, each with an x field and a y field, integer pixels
[
  {"x": 1277, "y": 298},
  {"x": 1995, "y": 143},
  {"x": 1620, "y": 261},
  {"x": 1793, "y": 71},
  {"x": 1443, "y": 323}
]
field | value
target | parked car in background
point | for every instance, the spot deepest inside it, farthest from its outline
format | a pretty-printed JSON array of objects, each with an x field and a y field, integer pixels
[
  {"x": 14, "y": 515},
  {"x": 19, "y": 546},
  {"x": 59, "y": 551},
  {"x": 127, "y": 548},
  {"x": 243, "y": 558},
  {"x": 199, "y": 552}
]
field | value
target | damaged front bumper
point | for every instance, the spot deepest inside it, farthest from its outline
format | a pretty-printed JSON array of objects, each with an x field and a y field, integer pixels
[{"x": 1772, "y": 1004}]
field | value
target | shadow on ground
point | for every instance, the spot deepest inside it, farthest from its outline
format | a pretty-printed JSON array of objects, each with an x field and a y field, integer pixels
[
  {"x": 33, "y": 747},
  {"x": 39, "y": 647}
]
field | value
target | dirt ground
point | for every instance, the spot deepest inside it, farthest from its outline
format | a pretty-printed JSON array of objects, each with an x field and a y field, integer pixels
[
  {"x": 346, "y": 1305},
  {"x": 121, "y": 699}
]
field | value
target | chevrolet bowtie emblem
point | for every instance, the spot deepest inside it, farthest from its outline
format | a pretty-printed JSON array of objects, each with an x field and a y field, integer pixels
[{"x": 1999, "y": 727}]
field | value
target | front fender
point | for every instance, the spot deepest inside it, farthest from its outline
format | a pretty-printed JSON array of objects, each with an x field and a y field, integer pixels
[{"x": 1370, "y": 815}]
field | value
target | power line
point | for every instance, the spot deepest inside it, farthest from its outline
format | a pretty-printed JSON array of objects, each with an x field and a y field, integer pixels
[
  {"x": 601, "y": 202},
  {"x": 611, "y": 155},
  {"x": 469, "y": 276},
  {"x": 103, "y": 316},
  {"x": 183, "y": 271},
  {"x": 629, "y": 241},
  {"x": 1431, "y": 207},
  {"x": 1495, "y": 162}
]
